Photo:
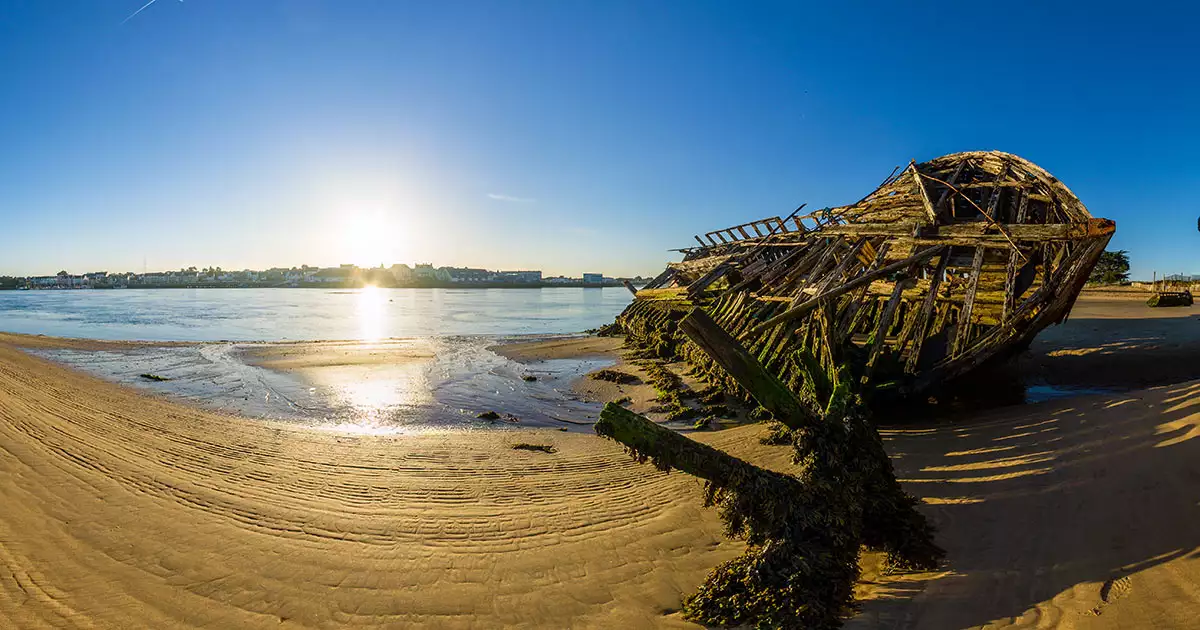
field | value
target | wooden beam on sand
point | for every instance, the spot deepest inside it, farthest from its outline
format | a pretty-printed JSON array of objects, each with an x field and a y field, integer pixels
[
  {"x": 863, "y": 279},
  {"x": 723, "y": 349},
  {"x": 669, "y": 449}
]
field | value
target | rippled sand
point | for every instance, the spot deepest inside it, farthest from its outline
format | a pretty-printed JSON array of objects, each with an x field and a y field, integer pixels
[{"x": 119, "y": 510}]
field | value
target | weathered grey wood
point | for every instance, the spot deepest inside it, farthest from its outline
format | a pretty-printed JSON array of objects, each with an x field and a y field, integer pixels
[
  {"x": 921, "y": 328},
  {"x": 994, "y": 201},
  {"x": 1022, "y": 206},
  {"x": 629, "y": 285},
  {"x": 1010, "y": 281},
  {"x": 662, "y": 278},
  {"x": 728, "y": 353},
  {"x": 814, "y": 273},
  {"x": 975, "y": 230},
  {"x": 1051, "y": 301},
  {"x": 946, "y": 193},
  {"x": 863, "y": 279},
  {"x": 839, "y": 270},
  {"x": 698, "y": 240},
  {"x": 923, "y": 193},
  {"x": 881, "y": 328},
  {"x": 703, "y": 282},
  {"x": 784, "y": 275},
  {"x": 963, "y": 334}
]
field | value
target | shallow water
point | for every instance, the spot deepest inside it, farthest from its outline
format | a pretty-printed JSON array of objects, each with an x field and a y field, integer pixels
[
  {"x": 461, "y": 380},
  {"x": 455, "y": 326},
  {"x": 306, "y": 314}
]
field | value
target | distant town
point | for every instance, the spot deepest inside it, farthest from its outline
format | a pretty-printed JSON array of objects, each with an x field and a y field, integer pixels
[{"x": 342, "y": 276}]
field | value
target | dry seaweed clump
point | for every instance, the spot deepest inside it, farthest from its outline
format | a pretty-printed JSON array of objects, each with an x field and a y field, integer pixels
[
  {"x": 544, "y": 448},
  {"x": 614, "y": 376}
]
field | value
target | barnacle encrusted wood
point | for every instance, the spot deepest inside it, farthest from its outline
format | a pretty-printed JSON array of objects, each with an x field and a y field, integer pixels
[{"x": 947, "y": 265}]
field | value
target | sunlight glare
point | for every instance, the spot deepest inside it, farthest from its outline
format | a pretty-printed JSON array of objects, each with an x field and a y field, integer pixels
[{"x": 370, "y": 308}]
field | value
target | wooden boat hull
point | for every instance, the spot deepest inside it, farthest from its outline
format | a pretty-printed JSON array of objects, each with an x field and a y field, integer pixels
[{"x": 947, "y": 266}]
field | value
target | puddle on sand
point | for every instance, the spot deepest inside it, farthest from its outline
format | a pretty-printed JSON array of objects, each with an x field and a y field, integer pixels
[
  {"x": 1001, "y": 387},
  {"x": 1042, "y": 393},
  {"x": 446, "y": 388}
]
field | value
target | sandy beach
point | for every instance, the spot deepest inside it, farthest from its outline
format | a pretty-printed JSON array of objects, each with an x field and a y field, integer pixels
[{"x": 121, "y": 510}]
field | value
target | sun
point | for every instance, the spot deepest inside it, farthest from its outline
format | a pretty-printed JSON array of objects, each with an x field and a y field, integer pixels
[{"x": 369, "y": 240}]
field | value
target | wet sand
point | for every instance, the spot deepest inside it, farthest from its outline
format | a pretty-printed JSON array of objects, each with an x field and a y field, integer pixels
[
  {"x": 124, "y": 510},
  {"x": 1115, "y": 340}
]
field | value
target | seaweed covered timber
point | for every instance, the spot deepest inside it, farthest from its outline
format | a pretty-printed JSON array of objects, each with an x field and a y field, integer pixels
[{"x": 949, "y": 264}]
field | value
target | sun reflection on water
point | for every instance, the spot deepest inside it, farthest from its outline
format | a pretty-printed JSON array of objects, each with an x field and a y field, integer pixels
[{"x": 370, "y": 310}]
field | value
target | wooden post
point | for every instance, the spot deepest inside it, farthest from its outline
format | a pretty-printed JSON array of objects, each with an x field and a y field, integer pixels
[
  {"x": 669, "y": 449},
  {"x": 629, "y": 285},
  {"x": 764, "y": 386}
]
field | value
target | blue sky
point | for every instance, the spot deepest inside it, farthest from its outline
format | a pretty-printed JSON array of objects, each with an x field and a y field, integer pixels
[{"x": 566, "y": 136}]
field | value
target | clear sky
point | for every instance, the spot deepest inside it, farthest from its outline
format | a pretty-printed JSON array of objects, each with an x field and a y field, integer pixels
[{"x": 559, "y": 135}]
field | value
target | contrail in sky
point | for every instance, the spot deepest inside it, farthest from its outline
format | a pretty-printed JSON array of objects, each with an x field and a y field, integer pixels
[{"x": 140, "y": 10}]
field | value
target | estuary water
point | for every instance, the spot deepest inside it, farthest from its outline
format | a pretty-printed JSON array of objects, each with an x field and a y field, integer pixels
[
  {"x": 306, "y": 314},
  {"x": 382, "y": 361}
]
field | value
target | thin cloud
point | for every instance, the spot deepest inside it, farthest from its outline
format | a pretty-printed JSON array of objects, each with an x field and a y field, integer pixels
[{"x": 499, "y": 197}]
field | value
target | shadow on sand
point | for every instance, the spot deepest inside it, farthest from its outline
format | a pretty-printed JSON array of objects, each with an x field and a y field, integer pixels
[{"x": 1054, "y": 513}]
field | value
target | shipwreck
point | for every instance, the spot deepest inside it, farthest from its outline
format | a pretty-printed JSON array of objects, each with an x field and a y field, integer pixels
[{"x": 947, "y": 266}]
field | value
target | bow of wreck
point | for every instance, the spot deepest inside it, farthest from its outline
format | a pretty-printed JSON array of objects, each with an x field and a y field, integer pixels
[{"x": 947, "y": 265}]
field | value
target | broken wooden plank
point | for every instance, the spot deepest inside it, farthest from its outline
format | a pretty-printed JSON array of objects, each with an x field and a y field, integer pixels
[
  {"x": 994, "y": 201},
  {"x": 963, "y": 334},
  {"x": 946, "y": 193},
  {"x": 703, "y": 282},
  {"x": 969, "y": 230},
  {"x": 861, "y": 280},
  {"x": 819, "y": 266},
  {"x": 728, "y": 353},
  {"x": 923, "y": 193},
  {"x": 881, "y": 328},
  {"x": 920, "y": 329}
]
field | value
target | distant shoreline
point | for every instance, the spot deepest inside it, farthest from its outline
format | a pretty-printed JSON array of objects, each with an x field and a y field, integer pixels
[{"x": 335, "y": 285}]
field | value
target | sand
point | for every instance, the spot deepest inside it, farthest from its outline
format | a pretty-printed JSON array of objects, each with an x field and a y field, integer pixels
[{"x": 119, "y": 510}]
